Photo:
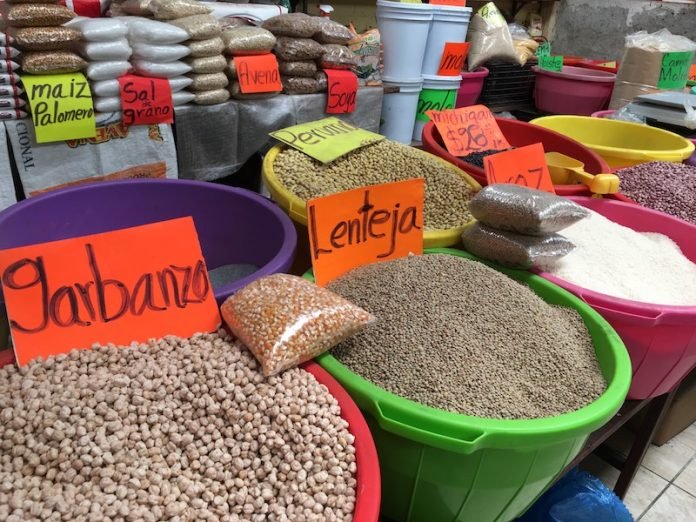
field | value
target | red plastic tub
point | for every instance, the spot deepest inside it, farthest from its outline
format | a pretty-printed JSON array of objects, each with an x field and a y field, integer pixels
[
  {"x": 368, "y": 490},
  {"x": 471, "y": 87},
  {"x": 519, "y": 134},
  {"x": 660, "y": 339},
  {"x": 574, "y": 90}
]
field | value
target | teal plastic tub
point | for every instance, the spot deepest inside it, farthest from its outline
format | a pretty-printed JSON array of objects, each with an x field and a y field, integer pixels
[{"x": 438, "y": 466}]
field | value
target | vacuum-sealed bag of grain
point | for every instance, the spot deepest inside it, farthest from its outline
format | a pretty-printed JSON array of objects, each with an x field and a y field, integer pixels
[{"x": 652, "y": 62}]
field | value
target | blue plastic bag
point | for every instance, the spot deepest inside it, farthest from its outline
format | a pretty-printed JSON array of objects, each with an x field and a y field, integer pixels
[{"x": 578, "y": 497}]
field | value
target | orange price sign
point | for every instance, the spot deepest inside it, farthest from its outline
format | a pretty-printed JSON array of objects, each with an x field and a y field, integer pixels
[
  {"x": 365, "y": 225},
  {"x": 115, "y": 287},
  {"x": 525, "y": 166},
  {"x": 692, "y": 73},
  {"x": 458, "y": 3},
  {"x": 468, "y": 129},
  {"x": 453, "y": 58},
  {"x": 145, "y": 100},
  {"x": 258, "y": 73},
  {"x": 342, "y": 91}
]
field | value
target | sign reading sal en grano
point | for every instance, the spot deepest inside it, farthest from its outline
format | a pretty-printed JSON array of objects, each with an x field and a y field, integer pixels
[
  {"x": 145, "y": 100},
  {"x": 118, "y": 287},
  {"x": 61, "y": 106},
  {"x": 365, "y": 225}
]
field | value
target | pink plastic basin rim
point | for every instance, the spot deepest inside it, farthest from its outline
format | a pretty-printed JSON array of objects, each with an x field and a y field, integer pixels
[
  {"x": 476, "y": 74},
  {"x": 660, "y": 314},
  {"x": 578, "y": 74}
]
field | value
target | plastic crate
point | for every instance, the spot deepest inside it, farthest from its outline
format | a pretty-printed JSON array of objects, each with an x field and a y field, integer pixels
[{"x": 508, "y": 86}]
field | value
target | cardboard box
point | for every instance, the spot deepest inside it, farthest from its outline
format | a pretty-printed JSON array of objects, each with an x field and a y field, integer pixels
[{"x": 681, "y": 414}]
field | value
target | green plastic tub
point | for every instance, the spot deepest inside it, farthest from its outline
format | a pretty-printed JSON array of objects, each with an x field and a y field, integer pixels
[{"x": 441, "y": 466}]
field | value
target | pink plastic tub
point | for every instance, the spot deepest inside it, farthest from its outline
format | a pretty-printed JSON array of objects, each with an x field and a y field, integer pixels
[
  {"x": 471, "y": 87},
  {"x": 574, "y": 90},
  {"x": 660, "y": 339},
  {"x": 603, "y": 114}
]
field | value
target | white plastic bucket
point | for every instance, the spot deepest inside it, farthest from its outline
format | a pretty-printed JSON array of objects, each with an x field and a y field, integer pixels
[
  {"x": 403, "y": 29},
  {"x": 399, "y": 110},
  {"x": 450, "y": 24},
  {"x": 438, "y": 93}
]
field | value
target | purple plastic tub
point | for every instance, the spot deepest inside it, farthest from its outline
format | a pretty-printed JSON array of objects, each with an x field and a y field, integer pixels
[
  {"x": 235, "y": 226},
  {"x": 692, "y": 160},
  {"x": 660, "y": 339},
  {"x": 471, "y": 87},
  {"x": 575, "y": 90}
]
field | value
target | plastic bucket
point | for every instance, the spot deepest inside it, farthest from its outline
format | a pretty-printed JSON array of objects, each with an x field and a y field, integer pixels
[
  {"x": 438, "y": 93},
  {"x": 471, "y": 87},
  {"x": 660, "y": 339},
  {"x": 574, "y": 90},
  {"x": 234, "y": 225},
  {"x": 367, "y": 476},
  {"x": 441, "y": 466},
  {"x": 399, "y": 110},
  {"x": 403, "y": 29},
  {"x": 450, "y": 25},
  {"x": 621, "y": 143},
  {"x": 519, "y": 134}
]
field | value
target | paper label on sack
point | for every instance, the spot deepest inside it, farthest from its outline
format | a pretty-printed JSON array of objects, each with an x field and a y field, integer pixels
[
  {"x": 327, "y": 139},
  {"x": 342, "y": 91},
  {"x": 674, "y": 72},
  {"x": 432, "y": 100},
  {"x": 492, "y": 15},
  {"x": 469, "y": 129},
  {"x": 525, "y": 166},
  {"x": 257, "y": 74},
  {"x": 453, "y": 58},
  {"x": 551, "y": 63},
  {"x": 145, "y": 100},
  {"x": 365, "y": 225},
  {"x": 115, "y": 287},
  {"x": 61, "y": 106}
]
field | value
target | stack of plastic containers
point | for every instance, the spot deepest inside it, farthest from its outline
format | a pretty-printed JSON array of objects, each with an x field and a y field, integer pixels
[{"x": 414, "y": 38}]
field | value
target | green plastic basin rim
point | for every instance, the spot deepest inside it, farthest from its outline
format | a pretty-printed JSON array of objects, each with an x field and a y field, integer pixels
[{"x": 467, "y": 434}]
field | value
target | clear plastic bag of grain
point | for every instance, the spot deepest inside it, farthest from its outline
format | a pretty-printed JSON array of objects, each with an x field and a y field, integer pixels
[
  {"x": 294, "y": 49},
  {"x": 207, "y": 82},
  {"x": 286, "y": 320},
  {"x": 331, "y": 32},
  {"x": 38, "y": 15},
  {"x": 512, "y": 249},
  {"x": 211, "y": 97},
  {"x": 199, "y": 27},
  {"x": 523, "y": 210},
  {"x": 237, "y": 94},
  {"x": 248, "y": 40},
  {"x": 173, "y": 9},
  {"x": 207, "y": 65},
  {"x": 203, "y": 48},
  {"x": 296, "y": 25},
  {"x": 46, "y": 38},
  {"x": 52, "y": 62},
  {"x": 299, "y": 85},
  {"x": 303, "y": 68},
  {"x": 337, "y": 57}
]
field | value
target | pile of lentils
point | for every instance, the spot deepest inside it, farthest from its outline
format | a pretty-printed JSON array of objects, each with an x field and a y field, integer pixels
[
  {"x": 456, "y": 335},
  {"x": 175, "y": 429},
  {"x": 660, "y": 185},
  {"x": 476, "y": 158},
  {"x": 447, "y": 195}
]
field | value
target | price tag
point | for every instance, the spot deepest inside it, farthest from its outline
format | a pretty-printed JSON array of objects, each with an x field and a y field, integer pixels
[
  {"x": 544, "y": 49},
  {"x": 61, "y": 106},
  {"x": 468, "y": 129},
  {"x": 327, "y": 139},
  {"x": 674, "y": 72},
  {"x": 456, "y": 3},
  {"x": 122, "y": 286},
  {"x": 692, "y": 73},
  {"x": 145, "y": 100},
  {"x": 258, "y": 73},
  {"x": 432, "y": 100},
  {"x": 551, "y": 63},
  {"x": 525, "y": 166},
  {"x": 453, "y": 58},
  {"x": 342, "y": 91},
  {"x": 365, "y": 225}
]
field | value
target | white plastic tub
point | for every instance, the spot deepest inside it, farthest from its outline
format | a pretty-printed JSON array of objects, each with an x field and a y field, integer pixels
[
  {"x": 450, "y": 25},
  {"x": 399, "y": 110},
  {"x": 404, "y": 31},
  {"x": 438, "y": 93}
]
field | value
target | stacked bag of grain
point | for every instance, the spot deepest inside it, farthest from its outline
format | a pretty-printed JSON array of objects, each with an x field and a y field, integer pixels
[
  {"x": 11, "y": 102},
  {"x": 246, "y": 40},
  {"x": 103, "y": 44},
  {"x": 305, "y": 46}
]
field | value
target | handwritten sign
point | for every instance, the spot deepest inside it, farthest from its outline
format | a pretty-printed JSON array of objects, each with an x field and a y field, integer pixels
[
  {"x": 258, "y": 73},
  {"x": 145, "y": 100},
  {"x": 61, "y": 106},
  {"x": 692, "y": 73},
  {"x": 468, "y": 129},
  {"x": 524, "y": 166},
  {"x": 365, "y": 225},
  {"x": 432, "y": 100},
  {"x": 674, "y": 72},
  {"x": 342, "y": 91},
  {"x": 327, "y": 139},
  {"x": 122, "y": 286},
  {"x": 457, "y": 3},
  {"x": 544, "y": 49},
  {"x": 453, "y": 58},
  {"x": 551, "y": 63}
]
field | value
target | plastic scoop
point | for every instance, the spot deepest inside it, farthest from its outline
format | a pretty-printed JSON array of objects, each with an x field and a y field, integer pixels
[{"x": 565, "y": 170}]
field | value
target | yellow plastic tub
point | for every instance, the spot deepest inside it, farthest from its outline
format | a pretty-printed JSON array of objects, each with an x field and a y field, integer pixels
[
  {"x": 297, "y": 208},
  {"x": 621, "y": 143}
]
